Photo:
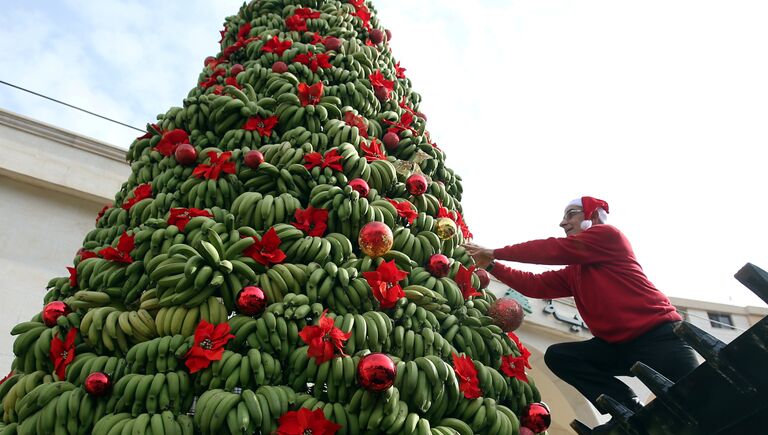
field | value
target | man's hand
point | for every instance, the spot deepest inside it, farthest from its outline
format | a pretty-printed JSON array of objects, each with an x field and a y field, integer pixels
[{"x": 482, "y": 256}]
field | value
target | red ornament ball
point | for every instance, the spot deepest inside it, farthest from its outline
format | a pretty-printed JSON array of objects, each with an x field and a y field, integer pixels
[
  {"x": 54, "y": 310},
  {"x": 98, "y": 384},
  {"x": 185, "y": 154},
  {"x": 253, "y": 159},
  {"x": 536, "y": 417},
  {"x": 376, "y": 36},
  {"x": 375, "y": 239},
  {"x": 279, "y": 67},
  {"x": 391, "y": 140},
  {"x": 381, "y": 93},
  {"x": 507, "y": 314},
  {"x": 236, "y": 69},
  {"x": 360, "y": 186},
  {"x": 208, "y": 60},
  {"x": 389, "y": 34},
  {"x": 439, "y": 265},
  {"x": 525, "y": 431},
  {"x": 251, "y": 300},
  {"x": 332, "y": 43},
  {"x": 485, "y": 278},
  {"x": 376, "y": 372},
  {"x": 416, "y": 184}
]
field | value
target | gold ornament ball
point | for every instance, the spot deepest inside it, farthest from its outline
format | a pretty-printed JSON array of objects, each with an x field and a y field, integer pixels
[
  {"x": 445, "y": 228},
  {"x": 375, "y": 239}
]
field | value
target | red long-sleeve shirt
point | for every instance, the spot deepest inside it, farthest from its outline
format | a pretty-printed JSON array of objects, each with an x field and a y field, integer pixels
[{"x": 612, "y": 294}]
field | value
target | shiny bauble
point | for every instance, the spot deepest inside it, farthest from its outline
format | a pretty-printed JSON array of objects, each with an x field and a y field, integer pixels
[
  {"x": 375, "y": 239},
  {"x": 253, "y": 159},
  {"x": 485, "y": 278},
  {"x": 236, "y": 69},
  {"x": 416, "y": 184},
  {"x": 389, "y": 34},
  {"x": 208, "y": 60},
  {"x": 376, "y": 372},
  {"x": 360, "y": 186},
  {"x": 439, "y": 265},
  {"x": 536, "y": 417},
  {"x": 251, "y": 300},
  {"x": 391, "y": 140},
  {"x": 279, "y": 67},
  {"x": 381, "y": 93},
  {"x": 98, "y": 384},
  {"x": 185, "y": 154},
  {"x": 376, "y": 36},
  {"x": 332, "y": 43},
  {"x": 525, "y": 431},
  {"x": 445, "y": 228},
  {"x": 507, "y": 314},
  {"x": 54, "y": 310}
]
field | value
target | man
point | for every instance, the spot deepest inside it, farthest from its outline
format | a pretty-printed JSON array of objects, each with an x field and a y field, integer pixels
[{"x": 630, "y": 319}]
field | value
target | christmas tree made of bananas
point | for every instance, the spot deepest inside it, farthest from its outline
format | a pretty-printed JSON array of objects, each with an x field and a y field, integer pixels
[{"x": 299, "y": 133}]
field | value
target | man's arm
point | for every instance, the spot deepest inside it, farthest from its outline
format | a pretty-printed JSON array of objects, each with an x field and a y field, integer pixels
[
  {"x": 598, "y": 244},
  {"x": 547, "y": 285}
]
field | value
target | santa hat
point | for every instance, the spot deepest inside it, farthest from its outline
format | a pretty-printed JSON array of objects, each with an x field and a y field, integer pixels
[{"x": 591, "y": 205}]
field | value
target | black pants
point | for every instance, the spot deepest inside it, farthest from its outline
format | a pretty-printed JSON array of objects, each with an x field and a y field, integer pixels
[{"x": 591, "y": 366}]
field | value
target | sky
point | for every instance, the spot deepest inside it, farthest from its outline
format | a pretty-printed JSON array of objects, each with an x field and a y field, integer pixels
[{"x": 658, "y": 107}]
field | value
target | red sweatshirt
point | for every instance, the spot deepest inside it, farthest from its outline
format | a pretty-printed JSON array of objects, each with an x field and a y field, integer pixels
[{"x": 612, "y": 294}]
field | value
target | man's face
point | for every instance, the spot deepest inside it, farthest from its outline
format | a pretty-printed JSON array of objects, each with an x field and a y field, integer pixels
[{"x": 572, "y": 218}]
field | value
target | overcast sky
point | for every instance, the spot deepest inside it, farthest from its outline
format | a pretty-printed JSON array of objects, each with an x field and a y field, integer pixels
[{"x": 658, "y": 107}]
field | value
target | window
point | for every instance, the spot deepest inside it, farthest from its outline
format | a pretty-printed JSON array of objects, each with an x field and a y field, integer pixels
[{"x": 720, "y": 320}]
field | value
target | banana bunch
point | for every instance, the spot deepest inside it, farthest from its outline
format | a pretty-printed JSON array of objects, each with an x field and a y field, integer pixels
[
  {"x": 159, "y": 355},
  {"x": 307, "y": 250},
  {"x": 333, "y": 411},
  {"x": 443, "y": 286},
  {"x": 32, "y": 345},
  {"x": 339, "y": 132},
  {"x": 36, "y": 411},
  {"x": 264, "y": 211},
  {"x": 97, "y": 273},
  {"x": 108, "y": 328},
  {"x": 236, "y": 370},
  {"x": 22, "y": 384},
  {"x": 412, "y": 316},
  {"x": 371, "y": 330},
  {"x": 333, "y": 380},
  {"x": 58, "y": 288},
  {"x": 383, "y": 176},
  {"x": 382, "y": 413},
  {"x": 177, "y": 319},
  {"x": 263, "y": 179},
  {"x": 304, "y": 140},
  {"x": 206, "y": 193},
  {"x": 248, "y": 412},
  {"x": 424, "y": 297},
  {"x": 158, "y": 424},
  {"x": 99, "y": 237},
  {"x": 413, "y": 343},
  {"x": 485, "y": 416},
  {"x": 419, "y": 247},
  {"x": 113, "y": 216},
  {"x": 339, "y": 288},
  {"x": 433, "y": 383},
  {"x": 226, "y": 112},
  {"x": 426, "y": 203},
  {"x": 153, "y": 393}
]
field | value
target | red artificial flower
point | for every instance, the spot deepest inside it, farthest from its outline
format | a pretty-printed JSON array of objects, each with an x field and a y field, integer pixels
[
  {"x": 101, "y": 213},
  {"x": 312, "y": 221},
  {"x": 223, "y": 33},
  {"x": 324, "y": 339},
  {"x": 317, "y": 39},
  {"x": 373, "y": 151},
  {"x": 296, "y": 23},
  {"x": 399, "y": 71},
  {"x": 356, "y": 121},
  {"x": 444, "y": 212},
  {"x": 307, "y": 13},
  {"x": 463, "y": 226},
  {"x": 243, "y": 31},
  {"x": 525, "y": 353},
  {"x": 463, "y": 279},
  {"x": 72, "y": 276},
  {"x": 404, "y": 123},
  {"x": 357, "y": 3},
  {"x": 514, "y": 367},
  {"x": 384, "y": 283},
  {"x": 152, "y": 130},
  {"x": 181, "y": 216},
  {"x": 310, "y": 94},
  {"x": 364, "y": 14},
  {"x": 267, "y": 250},
  {"x": 331, "y": 159},
  {"x": 208, "y": 346},
  {"x": 263, "y": 126},
  {"x": 404, "y": 105},
  {"x": 170, "y": 141},
  {"x": 63, "y": 352},
  {"x": 11, "y": 373},
  {"x": 405, "y": 210},
  {"x": 304, "y": 422},
  {"x": 274, "y": 45},
  {"x": 313, "y": 61},
  {"x": 241, "y": 42},
  {"x": 232, "y": 81},
  {"x": 378, "y": 81},
  {"x": 466, "y": 373},
  {"x": 84, "y": 255},
  {"x": 213, "y": 79},
  {"x": 219, "y": 163},
  {"x": 123, "y": 252},
  {"x": 141, "y": 191}
]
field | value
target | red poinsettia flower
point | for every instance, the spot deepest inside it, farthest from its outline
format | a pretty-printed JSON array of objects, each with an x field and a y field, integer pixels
[
  {"x": 181, "y": 216},
  {"x": 213, "y": 79},
  {"x": 243, "y": 31},
  {"x": 384, "y": 283},
  {"x": 123, "y": 252},
  {"x": 11, "y": 373},
  {"x": 101, "y": 213},
  {"x": 324, "y": 339},
  {"x": 404, "y": 123},
  {"x": 399, "y": 71},
  {"x": 241, "y": 42},
  {"x": 356, "y": 121},
  {"x": 170, "y": 141},
  {"x": 404, "y": 209},
  {"x": 378, "y": 81},
  {"x": 331, "y": 159},
  {"x": 141, "y": 191},
  {"x": 219, "y": 163},
  {"x": 404, "y": 105},
  {"x": 463, "y": 226},
  {"x": 223, "y": 33},
  {"x": 364, "y": 14},
  {"x": 84, "y": 255},
  {"x": 72, "y": 276},
  {"x": 514, "y": 367},
  {"x": 312, "y": 221},
  {"x": 525, "y": 353},
  {"x": 310, "y": 94},
  {"x": 304, "y": 421},
  {"x": 463, "y": 279},
  {"x": 316, "y": 39},
  {"x": 276, "y": 46},
  {"x": 263, "y": 126},
  {"x": 313, "y": 61},
  {"x": 373, "y": 151},
  {"x": 357, "y": 3},
  {"x": 63, "y": 352},
  {"x": 296, "y": 23},
  {"x": 267, "y": 250},
  {"x": 466, "y": 373},
  {"x": 208, "y": 346},
  {"x": 307, "y": 13}
]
